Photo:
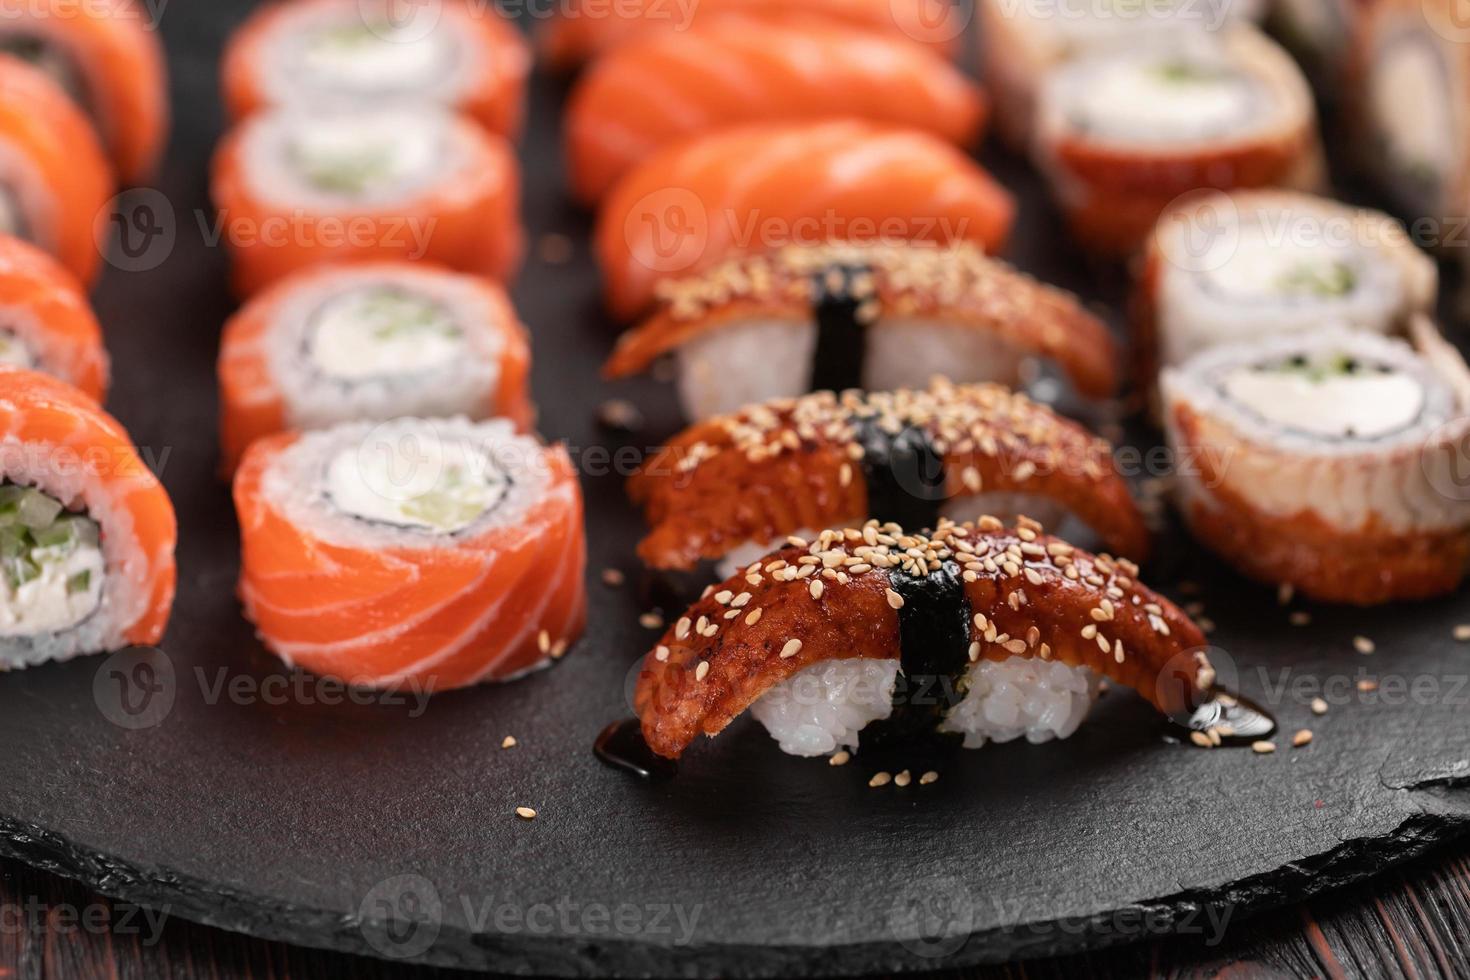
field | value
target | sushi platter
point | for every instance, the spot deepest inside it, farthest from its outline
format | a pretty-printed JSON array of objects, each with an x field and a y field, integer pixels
[{"x": 523, "y": 802}]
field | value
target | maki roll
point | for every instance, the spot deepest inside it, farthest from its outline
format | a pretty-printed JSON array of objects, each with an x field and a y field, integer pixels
[
  {"x": 432, "y": 553},
  {"x": 875, "y": 636},
  {"x": 1225, "y": 267},
  {"x": 656, "y": 91},
  {"x": 86, "y": 531},
  {"x": 757, "y": 188},
  {"x": 364, "y": 54},
  {"x": 46, "y": 323},
  {"x": 584, "y": 29},
  {"x": 1327, "y": 461},
  {"x": 298, "y": 188},
  {"x": 731, "y": 487},
  {"x": 852, "y": 316},
  {"x": 56, "y": 181},
  {"x": 1024, "y": 42},
  {"x": 108, "y": 58},
  {"x": 370, "y": 341},
  {"x": 1410, "y": 95},
  {"x": 1124, "y": 131}
]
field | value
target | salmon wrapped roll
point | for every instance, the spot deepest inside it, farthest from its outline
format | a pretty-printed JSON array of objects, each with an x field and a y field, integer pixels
[
  {"x": 758, "y": 188},
  {"x": 107, "y": 56},
  {"x": 1328, "y": 461},
  {"x": 426, "y": 553},
  {"x": 298, "y": 188},
  {"x": 872, "y": 637},
  {"x": 584, "y": 29},
  {"x": 850, "y": 316},
  {"x": 1024, "y": 42},
  {"x": 656, "y": 91},
  {"x": 1124, "y": 131},
  {"x": 58, "y": 181},
  {"x": 370, "y": 342},
  {"x": 1274, "y": 262},
  {"x": 46, "y": 323},
  {"x": 732, "y": 487},
  {"x": 87, "y": 533},
  {"x": 366, "y": 54}
]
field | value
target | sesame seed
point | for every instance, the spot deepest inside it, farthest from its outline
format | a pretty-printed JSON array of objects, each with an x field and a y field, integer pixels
[
  {"x": 840, "y": 758},
  {"x": 509, "y": 742},
  {"x": 754, "y": 617},
  {"x": 1367, "y": 686},
  {"x": 974, "y": 651},
  {"x": 1202, "y": 740},
  {"x": 1363, "y": 645},
  {"x": 929, "y": 777},
  {"x": 1301, "y": 618},
  {"x": 1303, "y": 737},
  {"x": 791, "y": 649},
  {"x": 894, "y": 599},
  {"x": 543, "y": 640},
  {"x": 681, "y": 628},
  {"x": 1263, "y": 747},
  {"x": 661, "y": 653},
  {"x": 558, "y": 649},
  {"x": 816, "y": 588},
  {"x": 525, "y": 813},
  {"x": 724, "y": 596},
  {"x": 651, "y": 621},
  {"x": 880, "y": 779},
  {"x": 702, "y": 671},
  {"x": 612, "y": 577},
  {"x": 1319, "y": 706},
  {"x": 903, "y": 778},
  {"x": 1462, "y": 633},
  {"x": 1284, "y": 593}
]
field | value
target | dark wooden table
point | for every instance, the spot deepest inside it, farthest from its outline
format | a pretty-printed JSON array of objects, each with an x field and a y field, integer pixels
[{"x": 1413, "y": 922}]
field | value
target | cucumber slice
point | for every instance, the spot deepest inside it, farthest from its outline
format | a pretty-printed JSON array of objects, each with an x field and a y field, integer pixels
[
  {"x": 38, "y": 510},
  {"x": 14, "y": 542},
  {"x": 78, "y": 582},
  {"x": 19, "y": 571}
]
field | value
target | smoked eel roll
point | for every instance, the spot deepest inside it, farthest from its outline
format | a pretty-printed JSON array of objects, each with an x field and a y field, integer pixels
[
  {"x": 1223, "y": 267},
  {"x": 56, "y": 181},
  {"x": 370, "y": 342},
  {"x": 733, "y": 487},
  {"x": 877, "y": 317},
  {"x": 364, "y": 54},
  {"x": 656, "y": 91},
  {"x": 1124, "y": 131},
  {"x": 423, "y": 553},
  {"x": 298, "y": 188},
  {"x": 757, "y": 188},
  {"x": 870, "y": 637},
  {"x": 1025, "y": 41},
  {"x": 46, "y": 323},
  {"x": 1327, "y": 461},
  {"x": 1410, "y": 97},
  {"x": 585, "y": 29},
  {"x": 107, "y": 56},
  {"x": 87, "y": 533}
]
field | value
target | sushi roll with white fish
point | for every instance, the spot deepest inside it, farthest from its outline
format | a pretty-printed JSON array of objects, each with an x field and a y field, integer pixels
[
  {"x": 371, "y": 341},
  {"x": 1326, "y": 461},
  {"x": 1024, "y": 40},
  {"x": 1410, "y": 93},
  {"x": 1225, "y": 267},
  {"x": 1126, "y": 130},
  {"x": 354, "y": 54},
  {"x": 834, "y": 317}
]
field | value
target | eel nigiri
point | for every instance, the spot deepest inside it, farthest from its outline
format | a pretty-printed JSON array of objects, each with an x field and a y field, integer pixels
[
  {"x": 87, "y": 532},
  {"x": 848, "y": 316},
  {"x": 436, "y": 553},
  {"x": 46, "y": 322},
  {"x": 873, "y": 635},
  {"x": 737, "y": 483},
  {"x": 656, "y": 91},
  {"x": 762, "y": 187}
]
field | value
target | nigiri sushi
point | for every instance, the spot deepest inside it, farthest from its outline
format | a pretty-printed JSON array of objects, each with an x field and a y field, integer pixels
[
  {"x": 370, "y": 341},
  {"x": 297, "y": 188},
  {"x": 48, "y": 324},
  {"x": 584, "y": 29},
  {"x": 731, "y": 487},
  {"x": 1329, "y": 461},
  {"x": 870, "y": 637},
  {"x": 108, "y": 58},
  {"x": 758, "y": 188},
  {"x": 656, "y": 91},
  {"x": 58, "y": 179},
  {"x": 87, "y": 533},
  {"x": 1223, "y": 267},
  {"x": 853, "y": 316},
  {"x": 432, "y": 553},
  {"x": 363, "y": 54},
  {"x": 1124, "y": 131}
]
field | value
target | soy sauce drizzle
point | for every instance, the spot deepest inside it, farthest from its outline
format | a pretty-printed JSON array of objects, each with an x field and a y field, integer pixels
[
  {"x": 621, "y": 745},
  {"x": 1236, "y": 721},
  {"x": 934, "y": 645},
  {"x": 903, "y": 471},
  {"x": 842, "y": 334}
]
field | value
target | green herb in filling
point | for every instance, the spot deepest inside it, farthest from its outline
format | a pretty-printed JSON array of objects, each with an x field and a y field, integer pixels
[
  {"x": 394, "y": 315},
  {"x": 1319, "y": 370},
  {"x": 1335, "y": 279},
  {"x": 346, "y": 173},
  {"x": 35, "y": 532},
  {"x": 1180, "y": 72}
]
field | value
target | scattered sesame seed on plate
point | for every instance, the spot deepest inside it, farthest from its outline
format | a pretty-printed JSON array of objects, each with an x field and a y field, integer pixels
[
  {"x": 840, "y": 758},
  {"x": 509, "y": 742},
  {"x": 1202, "y": 740},
  {"x": 1301, "y": 738},
  {"x": 651, "y": 621},
  {"x": 903, "y": 778},
  {"x": 1301, "y": 618},
  {"x": 612, "y": 577},
  {"x": 1319, "y": 706},
  {"x": 929, "y": 777},
  {"x": 1462, "y": 633},
  {"x": 1367, "y": 685},
  {"x": 1364, "y": 645},
  {"x": 880, "y": 779},
  {"x": 525, "y": 813},
  {"x": 1263, "y": 747}
]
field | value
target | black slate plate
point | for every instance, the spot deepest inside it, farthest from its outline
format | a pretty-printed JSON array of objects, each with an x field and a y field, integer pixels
[{"x": 210, "y": 781}]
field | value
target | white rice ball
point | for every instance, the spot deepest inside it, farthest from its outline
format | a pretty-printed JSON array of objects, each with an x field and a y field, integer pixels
[
  {"x": 823, "y": 708},
  {"x": 1039, "y": 699}
]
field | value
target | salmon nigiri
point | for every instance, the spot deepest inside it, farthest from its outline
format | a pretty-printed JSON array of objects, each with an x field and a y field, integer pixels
[
  {"x": 758, "y": 188},
  {"x": 656, "y": 90}
]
